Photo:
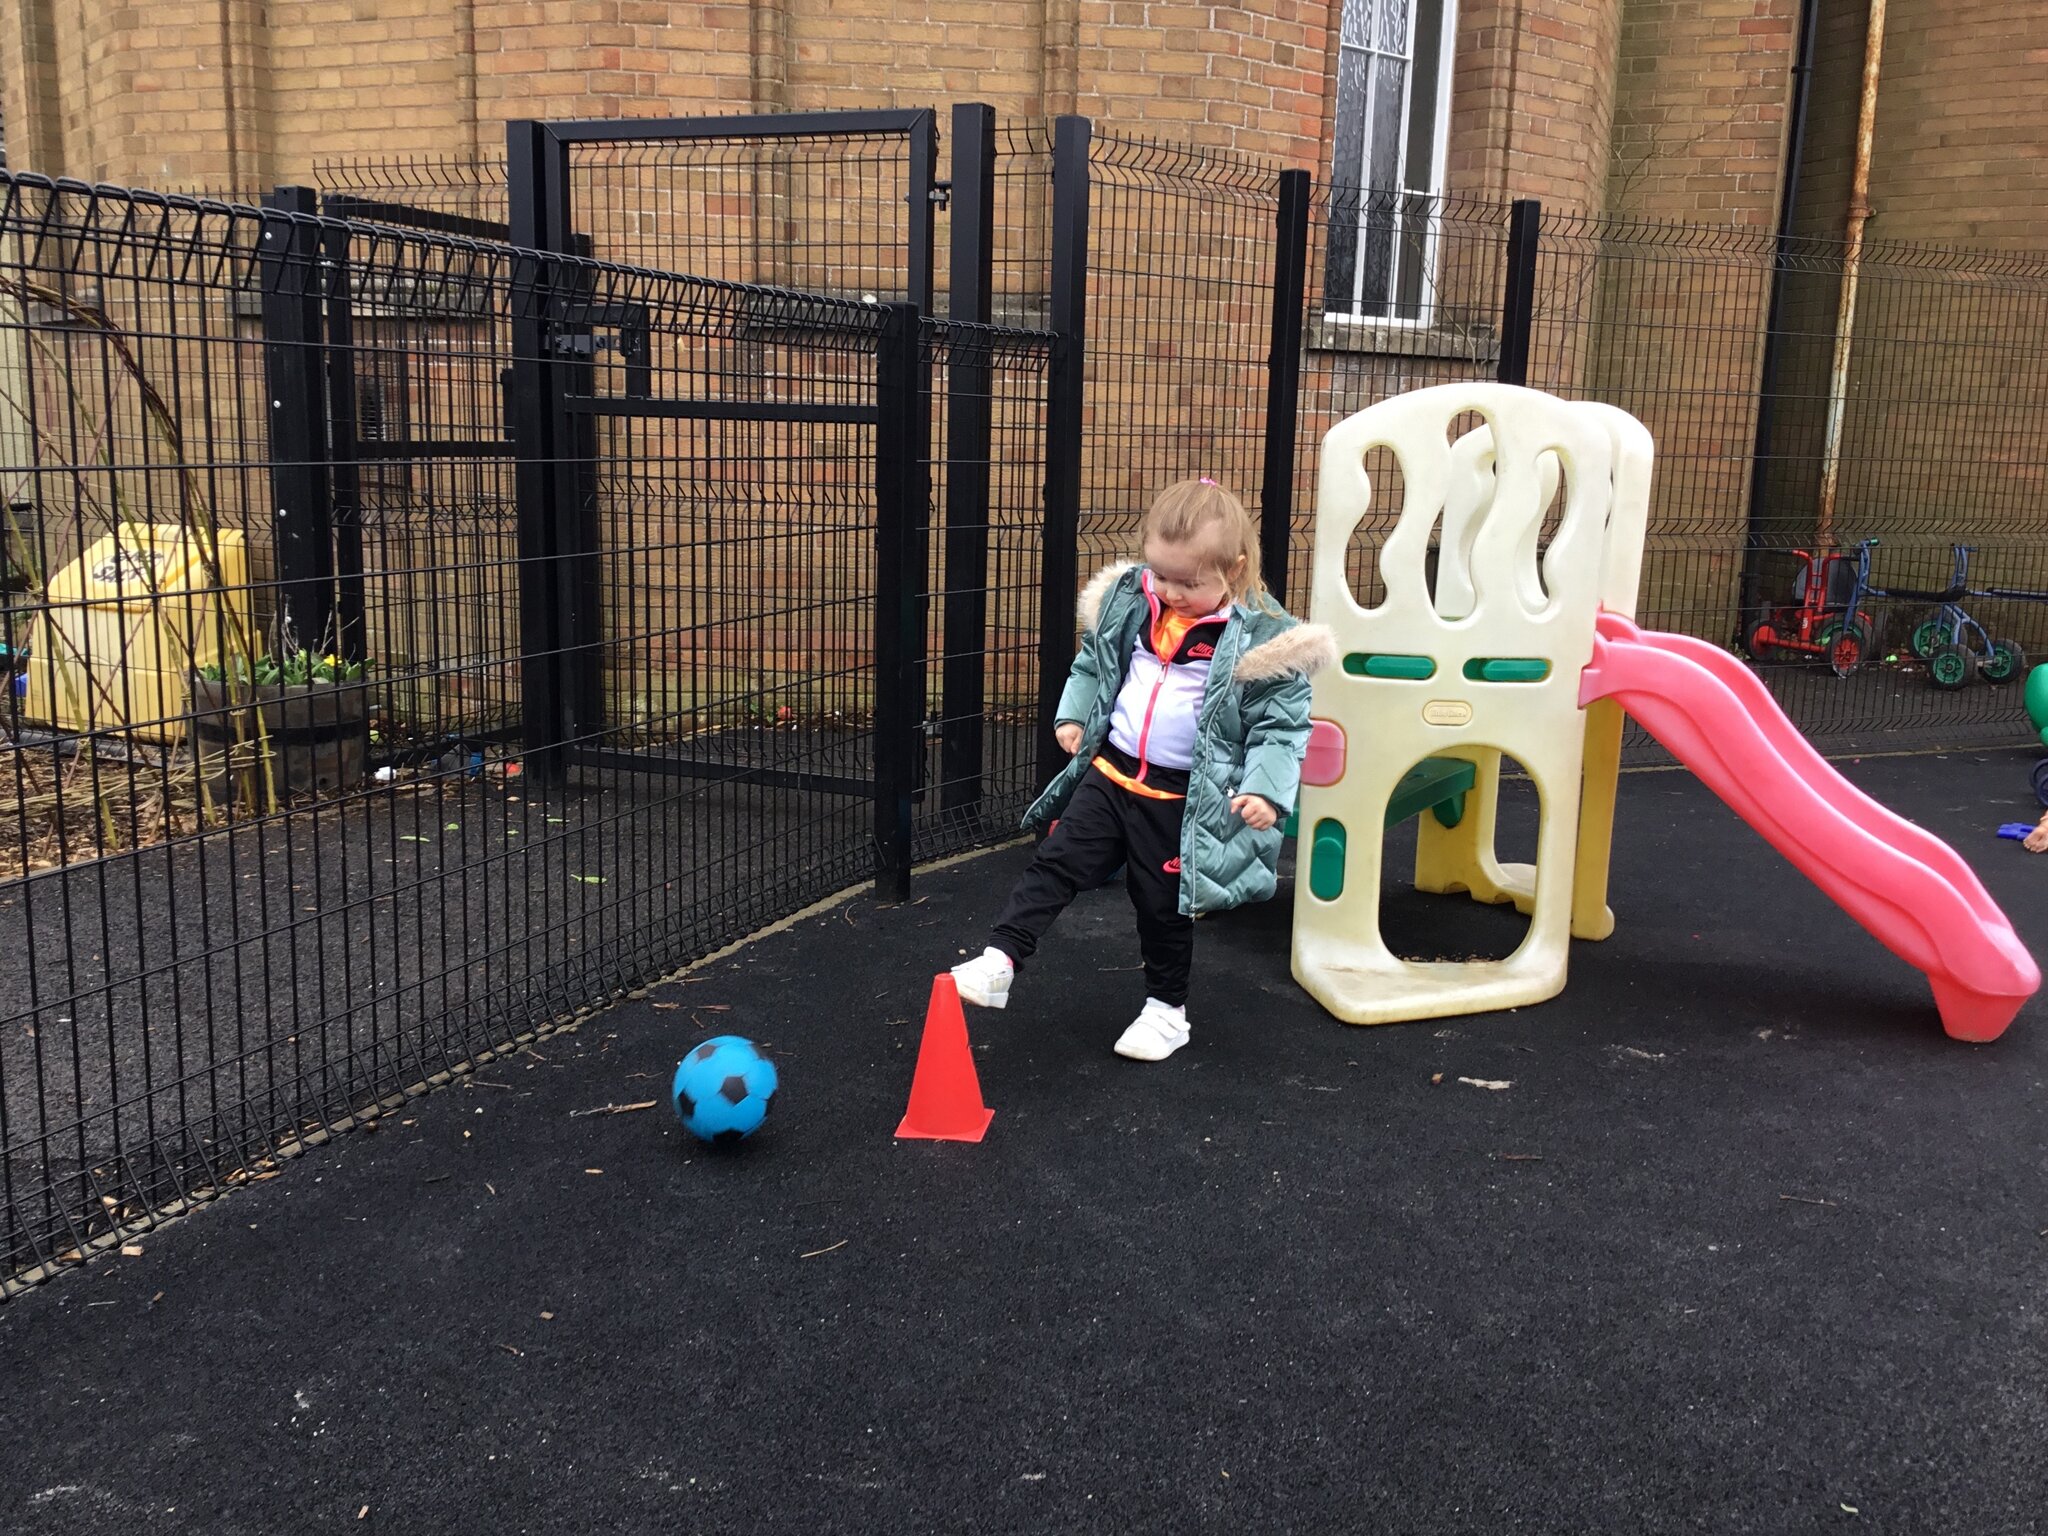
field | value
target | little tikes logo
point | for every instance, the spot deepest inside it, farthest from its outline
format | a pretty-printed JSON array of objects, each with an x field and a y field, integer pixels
[{"x": 1201, "y": 652}]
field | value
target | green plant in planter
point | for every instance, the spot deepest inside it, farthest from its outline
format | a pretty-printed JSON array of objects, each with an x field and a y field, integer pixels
[
  {"x": 296, "y": 669},
  {"x": 266, "y": 727},
  {"x": 263, "y": 740}
]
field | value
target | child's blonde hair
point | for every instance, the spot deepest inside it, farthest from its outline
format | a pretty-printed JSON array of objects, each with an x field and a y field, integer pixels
[{"x": 1203, "y": 513}]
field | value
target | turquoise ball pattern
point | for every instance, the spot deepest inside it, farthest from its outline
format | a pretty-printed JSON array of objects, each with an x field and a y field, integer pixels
[{"x": 723, "y": 1090}]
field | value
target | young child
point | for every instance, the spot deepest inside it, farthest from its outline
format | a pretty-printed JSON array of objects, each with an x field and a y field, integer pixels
[{"x": 1187, "y": 716}]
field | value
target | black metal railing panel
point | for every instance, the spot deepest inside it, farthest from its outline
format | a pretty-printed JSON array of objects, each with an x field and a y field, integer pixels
[{"x": 283, "y": 840}]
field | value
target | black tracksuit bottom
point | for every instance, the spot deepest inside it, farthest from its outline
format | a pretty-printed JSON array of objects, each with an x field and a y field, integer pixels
[{"x": 1106, "y": 825}]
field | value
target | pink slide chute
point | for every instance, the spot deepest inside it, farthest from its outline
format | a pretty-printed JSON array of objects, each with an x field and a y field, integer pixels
[{"x": 1911, "y": 890}]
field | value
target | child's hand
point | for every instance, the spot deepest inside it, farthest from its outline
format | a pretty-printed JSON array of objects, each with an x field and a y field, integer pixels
[
  {"x": 1258, "y": 812},
  {"x": 2036, "y": 841},
  {"x": 1068, "y": 735}
]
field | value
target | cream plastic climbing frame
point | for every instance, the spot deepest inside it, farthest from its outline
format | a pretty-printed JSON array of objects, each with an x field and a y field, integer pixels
[{"x": 1488, "y": 662}]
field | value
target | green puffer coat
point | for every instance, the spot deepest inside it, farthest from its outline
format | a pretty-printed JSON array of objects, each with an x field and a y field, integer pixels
[{"x": 1250, "y": 738}]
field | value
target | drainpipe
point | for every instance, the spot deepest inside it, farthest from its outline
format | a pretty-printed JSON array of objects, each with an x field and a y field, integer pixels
[
  {"x": 1774, "y": 335},
  {"x": 1852, "y": 261}
]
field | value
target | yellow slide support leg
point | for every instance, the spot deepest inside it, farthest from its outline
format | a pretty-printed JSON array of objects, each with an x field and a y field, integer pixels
[
  {"x": 1462, "y": 859},
  {"x": 1591, "y": 916}
]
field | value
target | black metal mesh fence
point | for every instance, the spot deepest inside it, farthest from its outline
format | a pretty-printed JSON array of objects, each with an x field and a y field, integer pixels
[
  {"x": 984, "y": 561},
  {"x": 1671, "y": 330},
  {"x": 563, "y": 686},
  {"x": 419, "y": 468},
  {"x": 243, "y": 907},
  {"x": 823, "y": 211},
  {"x": 1380, "y": 326},
  {"x": 1946, "y": 356},
  {"x": 1180, "y": 314},
  {"x": 263, "y": 876},
  {"x": 826, "y": 212},
  {"x": 455, "y": 187},
  {"x": 1021, "y": 261},
  {"x": 721, "y": 582},
  {"x": 1671, "y": 322}
]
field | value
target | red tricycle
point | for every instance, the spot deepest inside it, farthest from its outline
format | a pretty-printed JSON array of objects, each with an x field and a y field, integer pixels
[{"x": 1825, "y": 618}]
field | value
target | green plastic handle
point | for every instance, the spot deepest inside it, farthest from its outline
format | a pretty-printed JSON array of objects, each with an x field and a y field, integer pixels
[
  {"x": 1326, "y": 860},
  {"x": 1507, "y": 669},
  {"x": 1409, "y": 668}
]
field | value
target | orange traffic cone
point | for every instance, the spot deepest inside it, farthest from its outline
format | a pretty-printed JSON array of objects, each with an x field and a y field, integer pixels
[{"x": 945, "y": 1095}]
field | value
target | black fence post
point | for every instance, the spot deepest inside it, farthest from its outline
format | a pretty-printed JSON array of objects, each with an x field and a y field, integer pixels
[
  {"x": 345, "y": 474},
  {"x": 533, "y": 416},
  {"x": 1060, "y": 561},
  {"x": 900, "y": 524},
  {"x": 572, "y": 300},
  {"x": 969, "y": 420},
  {"x": 1283, "y": 380},
  {"x": 924, "y": 204},
  {"x": 295, "y": 375},
  {"x": 1518, "y": 302}
]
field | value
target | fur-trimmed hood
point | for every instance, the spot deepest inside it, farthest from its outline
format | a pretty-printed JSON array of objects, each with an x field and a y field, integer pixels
[{"x": 1303, "y": 649}]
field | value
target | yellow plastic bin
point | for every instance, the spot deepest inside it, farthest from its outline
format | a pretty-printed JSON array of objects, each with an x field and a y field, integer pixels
[{"x": 128, "y": 622}]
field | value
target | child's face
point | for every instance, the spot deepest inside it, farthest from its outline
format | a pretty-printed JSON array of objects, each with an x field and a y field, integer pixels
[{"x": 1186, "y": 577}]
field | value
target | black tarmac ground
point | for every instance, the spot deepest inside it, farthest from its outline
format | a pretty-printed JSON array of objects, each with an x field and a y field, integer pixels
[{"x": 1745, "y": 1245}]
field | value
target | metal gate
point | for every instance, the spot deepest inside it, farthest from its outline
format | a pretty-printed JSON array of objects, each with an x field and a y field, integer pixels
[
  {"x": 723, "y": 518},
  {"x": 408, "y": 449}
]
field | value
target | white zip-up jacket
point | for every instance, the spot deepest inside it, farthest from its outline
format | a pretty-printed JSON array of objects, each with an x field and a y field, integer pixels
[{"x": 1160, "y": 703}]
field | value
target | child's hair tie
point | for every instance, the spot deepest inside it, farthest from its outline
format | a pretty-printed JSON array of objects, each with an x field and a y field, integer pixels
[{"x": 1207, "y": 481}]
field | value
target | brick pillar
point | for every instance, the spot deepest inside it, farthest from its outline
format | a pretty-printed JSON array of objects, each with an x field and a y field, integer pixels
[
  {"x": 1059, "y": 78},
  {"x": 1700, "y": 111},
  {"x": 241, "y": 44},
  {"x": 613, "y": 58},
  {"x": 29, "y": 87},
  {"x": 1532, "y": 99},
  {"x": 465, "y": 80},
  {"x": 174, "y": 94},
  {"x": 770, "y": 39},
  {"x": 1561, "y": 118}
]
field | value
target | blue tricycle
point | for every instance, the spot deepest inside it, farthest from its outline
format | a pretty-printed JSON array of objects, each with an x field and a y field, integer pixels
[{"x": 1952, "y": 643}]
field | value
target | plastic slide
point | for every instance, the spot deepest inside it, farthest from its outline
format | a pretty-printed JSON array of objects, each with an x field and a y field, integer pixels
[{"x": 1907, "y": 887}]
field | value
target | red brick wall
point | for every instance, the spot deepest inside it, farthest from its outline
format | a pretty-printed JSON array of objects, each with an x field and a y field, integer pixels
[
  {"x": 609, "y": 58},
  {"x": 1962, "y": 123},
  {"x": 1703, "y": 91},
  {"x": 1250, "y": 77},
  {"x": 1960, "y": 157}
]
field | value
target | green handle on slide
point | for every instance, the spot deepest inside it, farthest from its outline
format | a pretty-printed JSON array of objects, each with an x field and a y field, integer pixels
[
  {"x": 1409, "y": 668},
  {"x": 1326, "y": 859}
]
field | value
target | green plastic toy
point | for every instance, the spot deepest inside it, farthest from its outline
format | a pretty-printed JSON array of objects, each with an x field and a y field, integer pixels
[{"x": 2037, "y": 712}]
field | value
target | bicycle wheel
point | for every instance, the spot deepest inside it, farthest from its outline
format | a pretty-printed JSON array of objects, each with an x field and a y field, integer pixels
[
  {"x": 1949, "y": 668},
  {"x": 1850, "y": 646},
  {"x": 2006, "y": 662}
]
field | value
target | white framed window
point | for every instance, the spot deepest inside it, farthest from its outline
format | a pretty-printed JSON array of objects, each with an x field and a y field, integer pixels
[{"x": 1387, "y": 169}]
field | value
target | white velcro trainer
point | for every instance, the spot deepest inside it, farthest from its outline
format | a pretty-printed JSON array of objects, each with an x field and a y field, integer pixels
[
  {"x": 1155, "y": 1034},
  {"x": 985, "y": 980}
]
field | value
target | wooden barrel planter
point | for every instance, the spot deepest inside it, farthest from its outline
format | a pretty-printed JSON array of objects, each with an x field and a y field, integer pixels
[{"x": 315, "y": 735}]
